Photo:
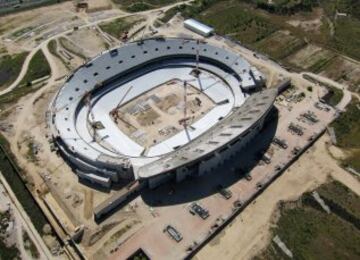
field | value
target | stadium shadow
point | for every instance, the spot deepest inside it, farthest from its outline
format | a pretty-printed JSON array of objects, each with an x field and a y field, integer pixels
[{"x": 195, "y": 188}]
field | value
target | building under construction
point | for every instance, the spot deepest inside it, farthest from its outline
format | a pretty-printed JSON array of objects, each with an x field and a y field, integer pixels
[{"x": 158, "y": 109}]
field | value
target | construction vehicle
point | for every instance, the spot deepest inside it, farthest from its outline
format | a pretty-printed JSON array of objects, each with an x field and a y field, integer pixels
[
  {"x": 196, "y": 209},
  {"x": 281, "y": 143},
  {"x": 173, "y": 233}
]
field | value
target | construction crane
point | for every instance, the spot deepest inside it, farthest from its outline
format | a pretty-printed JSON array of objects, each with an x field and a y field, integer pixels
[
  {"x": 92, "y": 123},
  {"x": 183, "y": 120},
  {"x": 114, "y": 111},
  {"x": 197, "y": 58},
  {"x": 87, "y": 100}
]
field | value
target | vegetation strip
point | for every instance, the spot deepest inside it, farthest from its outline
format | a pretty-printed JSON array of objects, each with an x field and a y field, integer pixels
[
  {"x": 10, "y": 67},
  {"x": 14, "y": 177},
  {"x": 38, "y": 68},
  {"x": 347, "y": 130},
  {"x": 311, "y": 233}
]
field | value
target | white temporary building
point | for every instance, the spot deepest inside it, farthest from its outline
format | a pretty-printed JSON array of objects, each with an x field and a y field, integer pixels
[{"x": 198, "y": 27}]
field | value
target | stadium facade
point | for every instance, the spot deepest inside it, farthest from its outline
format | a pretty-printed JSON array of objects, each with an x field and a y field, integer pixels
[{"x": 98, "y": 151}]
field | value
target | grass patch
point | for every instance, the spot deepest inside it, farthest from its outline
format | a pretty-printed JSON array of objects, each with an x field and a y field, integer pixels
[
  {"x": 139, "y": 255},
  {"x": 30, "y": 246},
  {"x": 334, "y": 95},
  {"x": 310, "y": 233},
  {"x": 320, "y": 64},
  {"x": 347, "y": 131},
  {"x": 280, "y": 44},
  {"x": 21, "y": 31},
  {"x": 8, "y": 252},
  {"x": 312, "y": 58},
  {"x": 350, "y": 7},
  {"x": 347, "y": 126},
  {"x": 10, "y": 67},
  {"x": 347, "y": 37},
  {"x": 138, "y": 6},
  {"x": 250, "y": 22},
  {"x": 352, "y": 160},
  {"x": 237, "y": 21},
  {"x": 285, "y": 7},
  {"x": 169, "y": 14},
  {"x": 118, "y": 27},
  {"x": 341, "y": 195},
  {"x": 38, "y": 68},
  {"x": 31, "y": 151}
]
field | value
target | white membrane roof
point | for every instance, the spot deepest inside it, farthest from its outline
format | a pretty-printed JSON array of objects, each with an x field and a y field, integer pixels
[{"x": 144, "y": 65}]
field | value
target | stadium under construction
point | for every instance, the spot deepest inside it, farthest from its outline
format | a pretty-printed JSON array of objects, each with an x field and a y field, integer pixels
[{"x": 158, "y": 109}]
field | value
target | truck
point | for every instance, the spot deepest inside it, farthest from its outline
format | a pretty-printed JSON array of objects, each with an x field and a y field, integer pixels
[
  {"x": 173, "y": 233},
  {"x": 196, "y": 209}
]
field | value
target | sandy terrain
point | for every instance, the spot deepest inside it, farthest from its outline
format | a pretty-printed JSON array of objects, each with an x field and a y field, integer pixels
[
  {"x": 96, "y": 5},
  {"x": 89, "y": 39},
  {"x": 249, "y": 232}
]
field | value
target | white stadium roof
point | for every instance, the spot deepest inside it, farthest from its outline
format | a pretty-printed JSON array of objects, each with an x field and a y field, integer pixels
[{"x": 145, "y": 65}]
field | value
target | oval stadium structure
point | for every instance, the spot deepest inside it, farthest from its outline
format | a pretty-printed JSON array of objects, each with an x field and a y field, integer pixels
[{"x": 158, "y": 109}]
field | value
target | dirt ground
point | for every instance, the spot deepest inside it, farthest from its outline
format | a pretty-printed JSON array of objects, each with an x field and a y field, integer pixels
[
  {"x": 36, "y": 17},
  {"x": 250, "y": 231},
  {"x": 96, "y": 5},
  {"x": 310, "y": 24},
  {"x": 155, "y": 116},
  {"x": 89, "y": 39}
]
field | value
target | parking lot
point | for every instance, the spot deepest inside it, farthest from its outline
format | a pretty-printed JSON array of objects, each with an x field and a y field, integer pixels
[{"x": 172, "y": 204}]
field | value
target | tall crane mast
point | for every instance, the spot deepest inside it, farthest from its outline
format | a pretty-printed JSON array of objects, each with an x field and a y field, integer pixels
[
  {"x": 114, "y": 111},
  {"x": 197, "y": 56},
  {"x": 92, "y": 123},
  {"x": 183, "y": 121},
  {"x": 185, "y": 103}
]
